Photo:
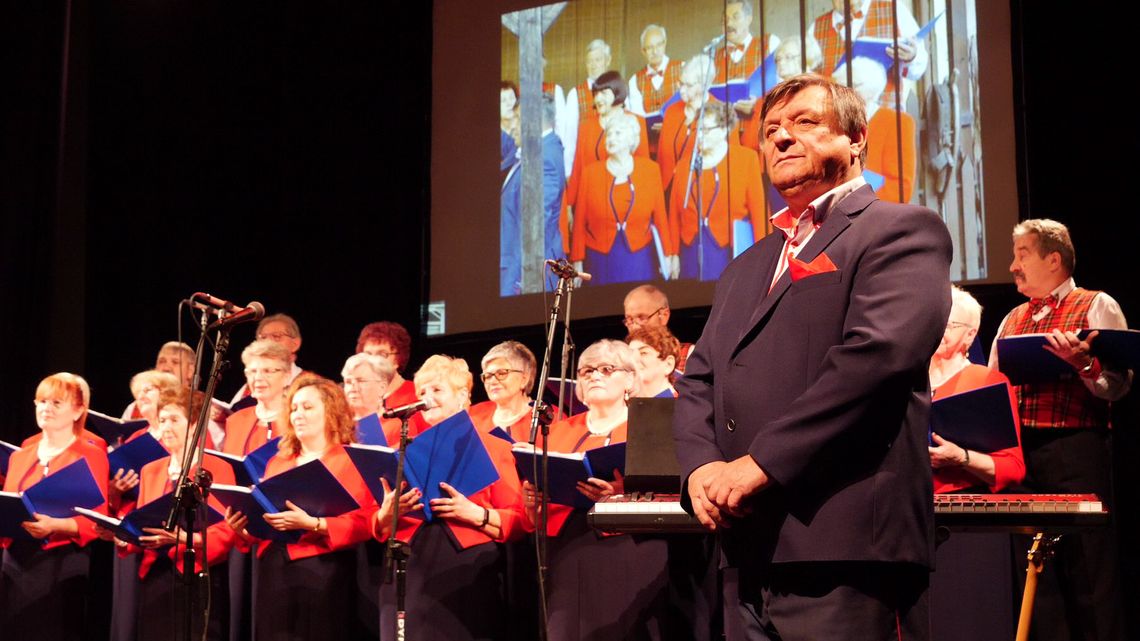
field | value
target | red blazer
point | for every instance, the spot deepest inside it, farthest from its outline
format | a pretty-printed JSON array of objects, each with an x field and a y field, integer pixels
[
  {"x": 126, "y": 506},
  {"x": 740, "y": 195},
  {"x": 570, "y": 436},
  {"x": 345, "y": 530},
  {"x": 84, "y": 435},
  {"x": 675, "y": 146},
  {"x": 24, "y": 471},
  {"x": 592, "y": 148},
  {"x": 154, "y": 483},
  {"x": 504, "y": 496},
  {"x": 595, "y": 218},
  {"x": 243, "y": 435},
  {"x": 1009, "y": 464},
  {"x": 404, "y": 395},
  {"x": 482, "y": 415}
]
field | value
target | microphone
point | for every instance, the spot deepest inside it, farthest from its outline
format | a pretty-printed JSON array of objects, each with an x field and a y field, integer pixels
[
  {"x": 714, "y": 43},
  {"x": 564, "y": 269},
  {"x": 252, "y": 312},
  {"x": 404, "y": 411},
  {"x": 200, "y": 299}
]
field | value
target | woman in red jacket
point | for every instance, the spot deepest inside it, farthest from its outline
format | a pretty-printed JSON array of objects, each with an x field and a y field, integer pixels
[
  {"x": 162, "y": 551},
  {"x": 306, "y": 590},
  {"x": 45, "y": 577},
  {"x": 455, "y": 571}
]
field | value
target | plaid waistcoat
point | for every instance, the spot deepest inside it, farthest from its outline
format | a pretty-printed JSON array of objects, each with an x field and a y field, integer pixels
[
  {"x": 753, "y": 57},
  {"x": 876, "y": 24},
  {"x": 585, "y": 101},
  {"x": 652, "y": 99},
  {"x": 1066, "y": 403}
]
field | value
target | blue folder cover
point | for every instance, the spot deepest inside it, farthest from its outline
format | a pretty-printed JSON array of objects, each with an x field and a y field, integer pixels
[
  {"x": 135, "y": 454},
  {"x": 1117, "y": 347},
  {"x": 6, "y": 450},
  {"x": 311, "y": 486},
  {"x": 369, "y": 431},
  {"x": 151, "y": 515},
  {"x": 566, "y": 470},
  {"x": 876, "y": 48},
  {"x": 250, "y": 468},
  {"x": 1023, "y": 360},
  {"x": 451, "y": 452},
  {"x": 54, "y": 495},
  {"x": 499, "y": 432},
  {"x": 979, "y": 420},
  {"x": 112, "y": 429}
]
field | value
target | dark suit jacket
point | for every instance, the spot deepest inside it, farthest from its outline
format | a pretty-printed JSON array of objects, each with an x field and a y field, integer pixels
[{"x": 824, "y": 383}]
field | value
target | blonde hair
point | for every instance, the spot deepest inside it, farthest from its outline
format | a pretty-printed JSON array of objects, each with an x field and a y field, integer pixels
[
  {"x": 162, "y": 380},
  {"x": 451, "y": 371},
  {"x": 266, "y": 348}
]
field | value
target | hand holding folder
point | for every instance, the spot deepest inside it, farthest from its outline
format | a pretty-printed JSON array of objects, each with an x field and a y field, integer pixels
[
  {"x": 568, "y": 470},
  {"x": 450, "y": 452},
  {"x": 981, "y": 419},
  {"x": 310, "y": 487},
  {"x": 55, "y": 495},
  {"x": 133, "y": 526}
]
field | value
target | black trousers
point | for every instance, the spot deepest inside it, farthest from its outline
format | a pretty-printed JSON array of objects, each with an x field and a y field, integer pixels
[
  {"x": 840, "y": 601},
  {"x": 45, "y": 592},
  {"x": 1079, "y": 593},
  {"x": 162, "y": 603},
  {"x": 311, "y": 599}
]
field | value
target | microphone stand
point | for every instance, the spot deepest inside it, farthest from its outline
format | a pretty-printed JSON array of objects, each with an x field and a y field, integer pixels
[
  {"x": 539, "y": 417},
  {"x": 191, "y": 493},
  {"x": 396, "y": 552},
  {"x": 695, "y": 162}
]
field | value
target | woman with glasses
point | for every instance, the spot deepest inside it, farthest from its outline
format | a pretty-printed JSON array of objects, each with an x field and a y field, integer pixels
[
  {"x": 727, "y": 189},
  {"x": 455, "y": 571},
  {"x": 44, "y": 578},
  {"x": 159, "y": 555},
  {"x": 618, "y": 206},
  {"x": 956, "y": 468},
  {"x": 508, "y": 377},
  {"x": 609, "y": 587},
  {"x": 391, "y": 342},
  {"x": 268, "y": 368},
  {"x": 366, "y": 378}
]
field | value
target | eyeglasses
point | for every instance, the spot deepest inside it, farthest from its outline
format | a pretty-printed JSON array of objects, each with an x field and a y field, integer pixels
[
  {"x": 275, "y": 336},
  {"x": 383, "y": 354},
  {"x": 642, "y": 319},
  {"x": 956, "y": 324},
  {"x": 265, "y": 372},
  {"x": 605, "y": 370},
  {"x": 357, "y": 382},
  {"x": 499, "y": 374}
]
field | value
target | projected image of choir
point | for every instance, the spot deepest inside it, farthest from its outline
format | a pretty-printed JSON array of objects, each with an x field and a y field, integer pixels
[{"x": 748, "y": 47}]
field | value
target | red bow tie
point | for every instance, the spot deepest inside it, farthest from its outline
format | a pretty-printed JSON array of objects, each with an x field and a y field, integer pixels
[
  {"x": 1037, "y": 304},
  {"x": 651, "y": 73},
  {"x": 858, "y": 15},
  {"x": 732, "y": 48}
]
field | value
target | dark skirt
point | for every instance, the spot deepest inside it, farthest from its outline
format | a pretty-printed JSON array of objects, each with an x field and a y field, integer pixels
[
  {"x": 125, "y": 597},
  {"x": 162, "y": 603},
  {"x": 601, "y": 588},
  {"x": 240, "y": 595},
  {"x": 452, "y": 594},
  {"x": 44, "y": 592},
  {"x": 620, "y": 265},
  {"x": 715, "y": 258},
  {"x": 311, "y": 599}
]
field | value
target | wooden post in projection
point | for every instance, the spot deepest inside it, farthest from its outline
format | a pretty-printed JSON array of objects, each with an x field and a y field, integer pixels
[{"x": 529, "y": 25}]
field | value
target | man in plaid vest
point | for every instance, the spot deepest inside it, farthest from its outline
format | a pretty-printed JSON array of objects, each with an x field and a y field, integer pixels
[
  {"x": 1065, "y": 428},
  {"x": 659, "y": 79},
  {"x": 580, "y": 99},
  {"x": 872, "y": 19}
]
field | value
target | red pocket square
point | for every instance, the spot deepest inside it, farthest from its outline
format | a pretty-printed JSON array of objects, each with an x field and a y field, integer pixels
[{"x": 799, "y": 269}]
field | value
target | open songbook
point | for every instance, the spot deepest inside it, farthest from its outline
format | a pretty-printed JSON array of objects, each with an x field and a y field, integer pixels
[
  {"x": 54, "y": 495},
  {"x": 567, "y": 470}
]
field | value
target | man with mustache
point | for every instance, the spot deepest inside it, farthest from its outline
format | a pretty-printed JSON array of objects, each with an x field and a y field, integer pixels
[{"x": 1064, "y": 428}]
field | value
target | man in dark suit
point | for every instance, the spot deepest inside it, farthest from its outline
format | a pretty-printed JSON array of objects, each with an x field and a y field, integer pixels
[
  {"x": 801, "y": 425},
  {"x": 510, "y": 222}
]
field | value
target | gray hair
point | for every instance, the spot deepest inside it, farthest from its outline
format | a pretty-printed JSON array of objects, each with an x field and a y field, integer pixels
[
  {"x": 615, "y": 353},
  {"x": 700, "y": 67},
  {"x": 1052, "y": 236},
  {"x": 652, "y": 27},
  {"x": 381, "y": 367},
  {"x": 519, "y": 356},
  {"x": 969, "y": 305},
  {"x": 599, "y": 44},
  {"x": 266, "y": 348}
]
